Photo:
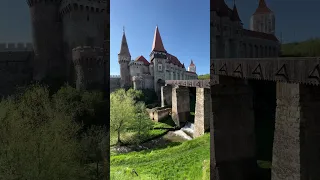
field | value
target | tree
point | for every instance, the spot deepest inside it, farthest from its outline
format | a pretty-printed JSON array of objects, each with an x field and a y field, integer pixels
[
  {"x": 38, "y": 141},
  {"x": 142, "y": 123},
  {"x": 122, "y": 111},
  {"x": 94, "y": 142}
]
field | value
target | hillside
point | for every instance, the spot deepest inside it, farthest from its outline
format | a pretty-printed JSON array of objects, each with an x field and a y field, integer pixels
[
  {"x": 204, "y": 76},
  {"x": 184, "y": 161},
  {"x": 308, "y": 48}
]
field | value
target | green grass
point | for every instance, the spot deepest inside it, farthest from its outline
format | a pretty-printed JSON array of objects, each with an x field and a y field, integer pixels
[{"x": 184, "y": 161}]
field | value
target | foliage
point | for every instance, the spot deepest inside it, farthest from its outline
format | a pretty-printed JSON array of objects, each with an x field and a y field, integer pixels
[
  {"x": 184, "y": 161},
  {"x": 38, "y": 139},
  {"x": 94, "y": 145},
  {"x": 308, "y": 48},
  {"x": 142, "y": 123},
  {"x": 204, "y": 76},
  {"x": 122, "y": 111}
]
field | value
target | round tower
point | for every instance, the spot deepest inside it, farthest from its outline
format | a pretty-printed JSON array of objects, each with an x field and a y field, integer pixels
[
  {"x": 83, "y": 25},
  {"x": 263, "y": 19},
  {"x": 124, "y": 59},
  {"x": 47, "y": 39},
  {"x": 89, "y": 67}
]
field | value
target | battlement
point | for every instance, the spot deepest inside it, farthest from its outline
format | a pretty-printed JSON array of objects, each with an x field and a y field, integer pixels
[
  {"x": 6, "y": 47},
  {"x": 88, "y": 55},
  {"x": 115, "y": 76},
  {"x": 33, "y": 2},
  {"x": 93, "y": 6}
]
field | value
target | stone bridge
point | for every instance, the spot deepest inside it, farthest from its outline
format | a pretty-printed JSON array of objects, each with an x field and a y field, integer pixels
[
  {"x": 265, "y": 109},
  {"x": 175, "y": 93}
]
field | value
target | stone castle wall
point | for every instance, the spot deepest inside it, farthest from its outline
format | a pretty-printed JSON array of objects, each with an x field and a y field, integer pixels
[
  {"x": 114, "y": 82},
  {"x": 15, "y": 70}
]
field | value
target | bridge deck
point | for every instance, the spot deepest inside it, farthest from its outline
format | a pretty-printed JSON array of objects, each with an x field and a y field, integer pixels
[
  {"x": 189, "y": 83},
  {"x": 304, "y": 70}
]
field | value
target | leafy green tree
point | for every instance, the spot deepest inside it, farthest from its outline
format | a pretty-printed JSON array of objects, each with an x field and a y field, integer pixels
[
  {"x": 122, "y": 111},
  {"x": 94, "y": 145},
  {"x": 142, "y": 123},
  {"x": 38, "y": 140}
]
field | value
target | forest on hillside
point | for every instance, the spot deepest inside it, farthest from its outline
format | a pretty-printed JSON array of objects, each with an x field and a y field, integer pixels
[{"x": 308, "y": 48}]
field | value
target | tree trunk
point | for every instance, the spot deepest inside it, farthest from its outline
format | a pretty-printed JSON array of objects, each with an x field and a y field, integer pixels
[
  {"x": 119, "y": 141},
  {"x": 97, "y": 169}
]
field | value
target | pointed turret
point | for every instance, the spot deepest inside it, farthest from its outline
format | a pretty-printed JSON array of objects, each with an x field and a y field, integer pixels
[
  {"x": 124, "y": 49},
  {"x": 157, "y": 42},
  {"x": 191, "y": 63},
  {"x": 262, "y": 8},
  {"x": 235, "y": 15},
  {"x": 192, "y": 67}
]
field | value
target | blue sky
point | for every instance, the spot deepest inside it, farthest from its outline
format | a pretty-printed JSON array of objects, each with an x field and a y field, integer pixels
[{"x": 183, "y": 25}]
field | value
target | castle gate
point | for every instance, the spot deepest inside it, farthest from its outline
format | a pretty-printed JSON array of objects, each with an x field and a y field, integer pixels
[
  {"x": 176, "y": 93},
  {"x": 237, "y": 107}
]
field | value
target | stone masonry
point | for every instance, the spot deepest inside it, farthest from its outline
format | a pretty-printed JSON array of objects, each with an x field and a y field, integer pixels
[
  {"x": 180, "y": 105},
  {"x": 233, "y": 122},
  {"x": 179, "y": 98},
  {"x": 166, "y": 95},
  {"x": 296, "y": 147},
  {"x": 203, "y": 115}
]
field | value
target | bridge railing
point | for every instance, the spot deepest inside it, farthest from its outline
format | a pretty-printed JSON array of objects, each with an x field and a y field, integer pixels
[{"x": 305, "y": 70}]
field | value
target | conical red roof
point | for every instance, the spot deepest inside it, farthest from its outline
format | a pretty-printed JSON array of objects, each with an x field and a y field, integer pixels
[
  {"x": 142, "y": 59},
  {"x": 157, "y": 42},
  {"x": 262, "y": 8},
  {"x": 124, "y": 49}
]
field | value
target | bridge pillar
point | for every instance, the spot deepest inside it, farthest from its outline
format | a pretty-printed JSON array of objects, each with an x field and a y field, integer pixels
[
  {"x": 296, "y": 145},
  {"x": 233, "y": 152},
  {"x": 203, "y": 111},
  {"x": 166, "y": 95},
  {"x": 180, "y": 105}
]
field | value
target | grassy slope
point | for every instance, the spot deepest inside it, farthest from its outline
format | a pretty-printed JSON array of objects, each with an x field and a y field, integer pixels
[{"x": 184, "y": 161}]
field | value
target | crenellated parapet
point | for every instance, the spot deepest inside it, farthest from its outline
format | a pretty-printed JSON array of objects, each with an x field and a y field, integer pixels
[
  {"x": 33, "y": 2},
  {"x": 89, "y": 66},
  {"x": 87, "y": 6},
  {"x": 87, "y": 54},
  {"x": 115, "y": 76},
  {"x": 6, "y": 47}
]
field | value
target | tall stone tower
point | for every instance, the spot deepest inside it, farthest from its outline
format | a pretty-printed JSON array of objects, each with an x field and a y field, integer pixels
[
  {"x": 83, "y": 25},
  {"x": 89, "y": 67},
  {"x": 47, "y": 39},
  {"x": 192, "y": 67},
  {"x": 158, "y": 57},
  {"x": 263, "y": 19},
  {"x": 124, "y": 59}
]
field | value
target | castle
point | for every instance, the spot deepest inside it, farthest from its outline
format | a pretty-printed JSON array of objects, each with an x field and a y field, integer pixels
[
  {"x": 143, "y": 74},
  {"x": 231, "y": 40},
  {"x": 68, "y": 42}
]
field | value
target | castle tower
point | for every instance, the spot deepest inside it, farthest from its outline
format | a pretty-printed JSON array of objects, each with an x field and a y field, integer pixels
[
  {"x": 124, "y": 59},
  {"x": 263, "y": 19},
  {"x": 158, "y": 57},
  {"x": 47, "y": 39},
  {"x": 237, "y": 26},
  {"x": 89, "y": 67},
  {"x": 192, "y": 67},
  {"x": 83, "y": 25}
]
